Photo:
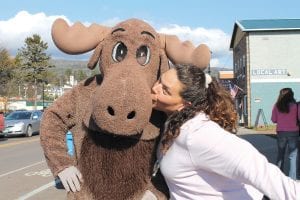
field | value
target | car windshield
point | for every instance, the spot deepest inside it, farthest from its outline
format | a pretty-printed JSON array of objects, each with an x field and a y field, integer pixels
[{"x": 18, "y": 115}]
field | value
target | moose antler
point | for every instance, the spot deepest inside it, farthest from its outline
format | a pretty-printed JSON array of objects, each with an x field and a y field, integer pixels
[
  {"x": 77, "y": 39},
  {"x": 185, "y": 52}
]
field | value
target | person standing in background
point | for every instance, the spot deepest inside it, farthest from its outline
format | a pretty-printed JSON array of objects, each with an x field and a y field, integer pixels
[{"x": 285, "y": 114}]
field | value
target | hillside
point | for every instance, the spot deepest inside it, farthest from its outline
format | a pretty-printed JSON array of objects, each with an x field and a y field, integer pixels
[{"x": 62, "y": 65}]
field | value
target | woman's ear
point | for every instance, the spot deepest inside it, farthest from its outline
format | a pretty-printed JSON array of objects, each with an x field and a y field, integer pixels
[{"x": 95, "y": 57}]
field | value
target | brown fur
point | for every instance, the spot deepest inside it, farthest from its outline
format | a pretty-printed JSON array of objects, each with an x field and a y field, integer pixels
[
  {"x": 124, "y": 163},
  {"x": 99, "y": 149},
  {"x": 114, "y": 150}
]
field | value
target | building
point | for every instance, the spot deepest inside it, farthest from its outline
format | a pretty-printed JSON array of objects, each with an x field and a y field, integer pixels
[
  {"x": 226, "y": 78},
  {"x": 265, "y": 59}
]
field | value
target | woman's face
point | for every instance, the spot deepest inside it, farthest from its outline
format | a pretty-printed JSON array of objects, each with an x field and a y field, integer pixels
[{"x": 166, "y": 93}]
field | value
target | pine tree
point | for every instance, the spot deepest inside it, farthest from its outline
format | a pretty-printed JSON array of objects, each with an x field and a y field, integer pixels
[{"x": 34, "y": 61}]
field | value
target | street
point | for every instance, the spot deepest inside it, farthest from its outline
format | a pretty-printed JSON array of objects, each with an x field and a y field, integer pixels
[{"x": 24, "y": 173}]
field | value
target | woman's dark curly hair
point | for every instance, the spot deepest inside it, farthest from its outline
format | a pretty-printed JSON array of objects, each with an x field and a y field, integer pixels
[
  {"x": 286, "y": 96},
  {"x": 214, "y": 101}
]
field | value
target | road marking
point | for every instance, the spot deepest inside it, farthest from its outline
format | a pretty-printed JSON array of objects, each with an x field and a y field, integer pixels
[
  {"x": 38, "y": 190},
  {"x": 43, "y": 173},
  {"x": 20, "y": 142},
  {"x": 20, "y": 169}
]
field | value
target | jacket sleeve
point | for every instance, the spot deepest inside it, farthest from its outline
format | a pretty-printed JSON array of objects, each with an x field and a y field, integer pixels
[
  {"x": 230, "y": 156},
  {"x": 274, "y": 114},
  {"x": 56, "y": 121}
]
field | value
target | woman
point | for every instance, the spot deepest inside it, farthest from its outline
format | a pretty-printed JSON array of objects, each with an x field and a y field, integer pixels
[
  {"x": 199, "y": 157},
  {"x": 285, "y": 114}
]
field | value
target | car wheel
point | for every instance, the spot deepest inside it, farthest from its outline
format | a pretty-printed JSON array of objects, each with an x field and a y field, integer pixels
[{"x": 29, "y": 131}]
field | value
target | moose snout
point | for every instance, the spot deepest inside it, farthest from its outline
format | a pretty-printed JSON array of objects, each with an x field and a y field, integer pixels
[
  {"x": 122, "y": 104},
  {"x": 130, "y": 115}
]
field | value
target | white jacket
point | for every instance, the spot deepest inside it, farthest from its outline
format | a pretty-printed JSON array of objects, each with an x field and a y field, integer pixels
[{"x": 207, "y": 162}]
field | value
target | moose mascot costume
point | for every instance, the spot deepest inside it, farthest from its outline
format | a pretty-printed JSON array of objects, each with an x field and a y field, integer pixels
[{"x": 114, "y": 128}]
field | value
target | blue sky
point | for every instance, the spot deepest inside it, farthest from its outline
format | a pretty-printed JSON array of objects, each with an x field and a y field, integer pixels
[{"x": 209, "y": 22}]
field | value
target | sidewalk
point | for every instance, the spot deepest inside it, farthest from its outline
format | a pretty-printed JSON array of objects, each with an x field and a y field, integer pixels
[{"x": 246, "y": 131}]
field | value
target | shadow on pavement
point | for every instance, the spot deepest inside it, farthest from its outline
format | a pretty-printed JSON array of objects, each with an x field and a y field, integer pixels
[
  {"x": 267, "y": 145},
  {"x": 264, "y": 143}
]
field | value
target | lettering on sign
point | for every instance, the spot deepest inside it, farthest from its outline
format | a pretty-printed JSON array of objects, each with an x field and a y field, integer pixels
[{"x": 258, "y": 72}]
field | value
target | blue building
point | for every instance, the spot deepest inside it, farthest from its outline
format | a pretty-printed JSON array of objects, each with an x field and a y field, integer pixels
[{"x": 266, "y": 58}]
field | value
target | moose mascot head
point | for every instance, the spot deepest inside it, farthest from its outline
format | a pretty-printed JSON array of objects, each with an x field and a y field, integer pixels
[{"x": 110, "y": 115}]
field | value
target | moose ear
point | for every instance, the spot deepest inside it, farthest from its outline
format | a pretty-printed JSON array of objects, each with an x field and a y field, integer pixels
[
  {"x": 164, "y": 64},
  {"x": 95, "y": 57}
]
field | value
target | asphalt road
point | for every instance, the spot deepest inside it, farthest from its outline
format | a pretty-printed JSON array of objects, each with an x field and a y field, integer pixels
[{"x": 24, "y": 173}]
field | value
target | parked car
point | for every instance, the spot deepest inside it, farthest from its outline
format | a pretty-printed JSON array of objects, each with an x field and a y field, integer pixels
[{"x": 23, "y": 122}]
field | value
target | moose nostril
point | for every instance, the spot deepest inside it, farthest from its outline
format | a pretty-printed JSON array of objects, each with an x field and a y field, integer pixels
[
  {"x": 131, "y": 115},
  {"x": 111, "y": 111}
]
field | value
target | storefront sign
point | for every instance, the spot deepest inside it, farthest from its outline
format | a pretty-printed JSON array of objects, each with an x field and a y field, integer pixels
[{"x": 259, "y": 72}]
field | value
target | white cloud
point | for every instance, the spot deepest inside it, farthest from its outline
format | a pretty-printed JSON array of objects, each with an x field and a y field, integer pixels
[
  {"x": 215, "y": 39},
  {"x": 14, "y": 31},
  {"x": 111, "y": 22}
]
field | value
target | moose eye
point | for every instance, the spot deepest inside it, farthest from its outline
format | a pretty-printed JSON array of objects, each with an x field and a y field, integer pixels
[
  {"x": 119, "y": 52},
  {"x": 143, "y": 55}
]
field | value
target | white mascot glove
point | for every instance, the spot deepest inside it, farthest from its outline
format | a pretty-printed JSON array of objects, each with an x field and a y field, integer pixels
[
  {"x": 149, "y": 196},
  {"x": 70, "y": 178}
]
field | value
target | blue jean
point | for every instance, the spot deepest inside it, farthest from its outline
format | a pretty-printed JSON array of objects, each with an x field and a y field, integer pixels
[{"x": 288, "y": 140}]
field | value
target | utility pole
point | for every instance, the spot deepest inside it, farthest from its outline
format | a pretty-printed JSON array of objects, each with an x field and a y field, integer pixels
[
  {"x": 35, "y": 94},
  {"x": 208, "y": 70},
  {"x": 43, "y": 95},
  {"x": 19, "y": 90}
]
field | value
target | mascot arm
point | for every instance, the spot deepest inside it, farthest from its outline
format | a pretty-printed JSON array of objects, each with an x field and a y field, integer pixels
[{"x": 56, "y": 121}]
